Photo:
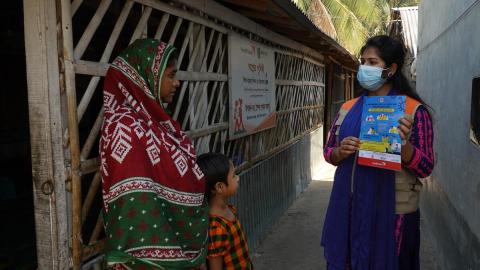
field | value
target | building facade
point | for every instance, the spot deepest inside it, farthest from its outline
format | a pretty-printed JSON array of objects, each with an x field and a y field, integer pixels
[{"x": 448, "y": 68}]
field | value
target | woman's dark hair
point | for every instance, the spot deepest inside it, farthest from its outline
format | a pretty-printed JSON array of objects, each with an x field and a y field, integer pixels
[
  {"x": 173, "y": 58},
  {"x": 215, "y": 167},
  {"x": 392, "y": 51}
]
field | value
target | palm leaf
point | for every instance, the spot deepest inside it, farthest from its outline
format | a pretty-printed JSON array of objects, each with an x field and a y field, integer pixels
[
  {"x": 402, "y": 3},
  {"x": 367, "y": 11},
  {"x": 351, "y": 30},
  {"x": 303, "y": 4},
  {"x": 356, "y": 20}
]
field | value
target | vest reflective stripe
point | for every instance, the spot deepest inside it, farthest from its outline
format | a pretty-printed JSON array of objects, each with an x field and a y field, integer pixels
[{"x": 407, "y": 186}]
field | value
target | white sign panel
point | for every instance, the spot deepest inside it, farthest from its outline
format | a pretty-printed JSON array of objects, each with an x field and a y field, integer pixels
[{"x": 252, "y": 86}]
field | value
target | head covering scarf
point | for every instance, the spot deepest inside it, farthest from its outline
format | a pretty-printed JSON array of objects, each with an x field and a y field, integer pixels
[
  {"x": 359, "y": 226},
  {"x": 153, "y": 191}
]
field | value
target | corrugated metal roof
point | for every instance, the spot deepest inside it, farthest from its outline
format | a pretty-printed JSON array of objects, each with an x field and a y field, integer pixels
[{"x": 409, "y": 21}]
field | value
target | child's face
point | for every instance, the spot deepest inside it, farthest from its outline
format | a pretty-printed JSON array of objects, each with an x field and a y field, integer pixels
[{"x": 232, "y": 180}]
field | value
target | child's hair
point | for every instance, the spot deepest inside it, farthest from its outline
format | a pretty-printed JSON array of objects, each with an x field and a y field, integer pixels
[{"x": 215, "y": 167}]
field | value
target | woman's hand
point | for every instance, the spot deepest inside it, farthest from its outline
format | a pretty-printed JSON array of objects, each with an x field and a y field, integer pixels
[
  {"x": 348, "y": 146},
  {"x": 404, "y": 129}
]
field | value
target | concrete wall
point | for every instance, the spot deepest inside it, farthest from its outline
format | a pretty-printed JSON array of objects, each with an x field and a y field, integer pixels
[
  {"x": 449, "y": 58},
  {"x": 268, "y": 189}
]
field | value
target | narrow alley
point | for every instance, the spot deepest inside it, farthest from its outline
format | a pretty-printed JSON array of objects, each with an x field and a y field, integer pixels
[
  {"x": 108, "y": 107},
  {"x": 294, "y": 241}
]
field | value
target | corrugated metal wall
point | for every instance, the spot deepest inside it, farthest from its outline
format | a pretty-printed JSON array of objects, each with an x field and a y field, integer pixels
[{"x": 270, "y": 187}]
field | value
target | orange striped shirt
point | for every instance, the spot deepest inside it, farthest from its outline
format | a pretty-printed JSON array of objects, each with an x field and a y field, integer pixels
[{"x": 226, "y": 239}]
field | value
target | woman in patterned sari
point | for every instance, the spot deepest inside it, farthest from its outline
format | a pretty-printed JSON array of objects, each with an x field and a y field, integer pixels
[{"x": 155, "y": 213}]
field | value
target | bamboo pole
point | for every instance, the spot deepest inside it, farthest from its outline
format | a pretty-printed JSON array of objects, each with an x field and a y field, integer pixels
[
  {"x": 219, "y": 11},
  {"x": 299, "y": 55},
  {"x": 219, "y": 104},
  {"x": 185, "y": 84},
  {"x": 198, "y": 65},
  {"x": 73, "y": 133},
  {"x": 196, "y": 92},
  {"x": 185, "y": 43},
  {"x": 142, "y": 24},
  {"x": 161, "y": 26},
  {"x": 92, "y": 136},
  {"x": 219, "y": 70},
  {"x": 294, "y": 99},
  {"x": 201, "y": 76},
  {"x": 205, "y": 85},
  {"x": 92, "y": 191},
  {"x": 218, "y": 51},
  {"x": 94, "y": 249},
  {"x": 299, "y": 83},
  {"x": 75, "y": 5},
  {"x": 296, "y": 109},
  {"x": 206, "y": 121},
  {"x": 97, "y": 230},
  {"x": 174, "y": 34},
  {"x": 175, "y": 11},
  {"x": 47, "y": 154},
  {"x": 193, "y": 134},
  {"x": 90, "y": 30},
  {"x": 100, "y": 69},
  {"x": 224, "y": 135},
  {"x": 89, "y": 166},
  {"x": 92, "y": 85}
]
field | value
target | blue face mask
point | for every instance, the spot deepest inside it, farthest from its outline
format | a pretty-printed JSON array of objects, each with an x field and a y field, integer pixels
[{"x": 370, "y": 77}]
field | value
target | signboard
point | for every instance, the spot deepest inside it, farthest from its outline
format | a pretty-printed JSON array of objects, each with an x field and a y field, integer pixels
[{"x": 251, "y": 85}]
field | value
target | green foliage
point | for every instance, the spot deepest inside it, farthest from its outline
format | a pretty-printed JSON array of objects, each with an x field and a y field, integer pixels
[{"x": 357, "y": 20}]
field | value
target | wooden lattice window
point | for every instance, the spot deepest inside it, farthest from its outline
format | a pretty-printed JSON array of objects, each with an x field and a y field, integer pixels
[{"x": 95, "y": 32}]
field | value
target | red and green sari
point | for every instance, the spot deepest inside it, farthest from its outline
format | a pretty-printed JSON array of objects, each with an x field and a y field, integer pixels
[{"x": 155, "y": 213}]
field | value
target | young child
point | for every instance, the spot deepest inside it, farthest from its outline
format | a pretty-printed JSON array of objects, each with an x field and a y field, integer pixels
[{"x": 227, "y": 245}]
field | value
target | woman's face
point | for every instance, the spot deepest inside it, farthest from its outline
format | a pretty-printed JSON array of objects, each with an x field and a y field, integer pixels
[
  {"x": 370, "y": 58},
  {"x": 169, "y": 83},
  {"x": 232, "y": 180}
]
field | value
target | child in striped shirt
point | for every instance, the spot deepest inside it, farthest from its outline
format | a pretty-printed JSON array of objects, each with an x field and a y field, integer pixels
[{"x": 227, "y": 245}]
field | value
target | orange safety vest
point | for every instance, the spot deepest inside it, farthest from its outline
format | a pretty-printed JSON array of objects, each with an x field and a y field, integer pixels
[{"x": 407, "y": 186}]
